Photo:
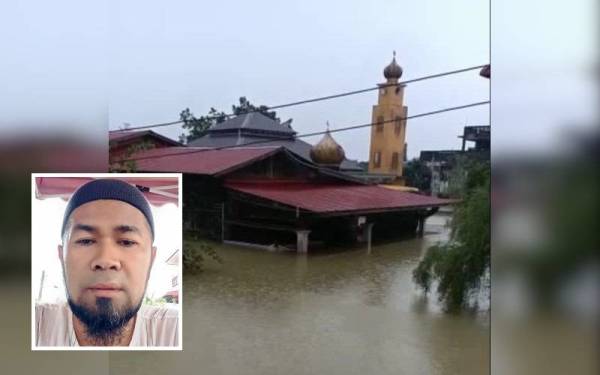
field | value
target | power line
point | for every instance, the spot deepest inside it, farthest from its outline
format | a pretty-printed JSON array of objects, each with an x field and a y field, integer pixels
[
  {"x": 306, "y": 101},
  {"x": 371, "y": 124}
]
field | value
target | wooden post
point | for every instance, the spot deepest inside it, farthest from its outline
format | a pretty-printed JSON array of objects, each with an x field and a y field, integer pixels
[{"x": 302, "y": 241}]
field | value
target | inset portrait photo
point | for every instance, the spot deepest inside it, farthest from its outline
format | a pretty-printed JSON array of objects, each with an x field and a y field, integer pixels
[{"x": 106, "y": 253}]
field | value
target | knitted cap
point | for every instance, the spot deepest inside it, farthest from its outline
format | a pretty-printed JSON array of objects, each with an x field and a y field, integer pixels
[{"x": 108, "y": 189}]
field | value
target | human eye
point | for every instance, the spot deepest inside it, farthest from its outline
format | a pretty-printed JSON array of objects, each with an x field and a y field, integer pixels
[
  {"x": 127, "y": 242},
  {"x": 85, "y": 241}
]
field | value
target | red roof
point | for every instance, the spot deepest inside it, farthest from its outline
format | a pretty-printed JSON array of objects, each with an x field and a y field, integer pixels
[
  {"x": 121, "y": 134},
  {"x": 199, "y": 160},
  {"x": 160, "y": 190},
  {"x": 335, "y": 198},
  {"x": 125, "y": 135}
]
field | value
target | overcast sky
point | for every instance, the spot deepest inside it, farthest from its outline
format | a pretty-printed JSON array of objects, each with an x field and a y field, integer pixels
[
  {"x": 96, "y": 65},
  {"x": 173, "y": 55}
]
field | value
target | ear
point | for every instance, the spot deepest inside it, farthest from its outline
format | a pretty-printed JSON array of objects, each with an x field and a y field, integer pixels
[{"x": 60, "y": 253}]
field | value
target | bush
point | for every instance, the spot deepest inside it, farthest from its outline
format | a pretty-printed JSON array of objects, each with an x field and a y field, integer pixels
[{"x": 194, "y": 251}]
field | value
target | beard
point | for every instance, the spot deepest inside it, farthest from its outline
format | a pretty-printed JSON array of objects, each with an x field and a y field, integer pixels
[{"x": 104, "y": 323}]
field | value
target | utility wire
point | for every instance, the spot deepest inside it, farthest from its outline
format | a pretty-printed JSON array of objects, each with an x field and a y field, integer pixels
[
  {"x": 300, "y": 102},
  {"x": 371, "y": 124}
]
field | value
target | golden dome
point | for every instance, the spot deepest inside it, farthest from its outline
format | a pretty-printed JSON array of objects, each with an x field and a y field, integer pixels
[
  {"x": 393, "y": 70},
  {"x": 327, "y": 151}
]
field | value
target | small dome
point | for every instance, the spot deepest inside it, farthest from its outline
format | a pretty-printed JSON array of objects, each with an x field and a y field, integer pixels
[
  {"x": 327, "y": 151},
  {"x": 393, "y": 70}
]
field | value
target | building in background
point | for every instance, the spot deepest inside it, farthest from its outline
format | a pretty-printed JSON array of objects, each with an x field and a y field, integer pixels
[
  {"x": 442, "y": 162},
  {"x": 123, "y": 143},
  {"x": 480, "y": 135}
]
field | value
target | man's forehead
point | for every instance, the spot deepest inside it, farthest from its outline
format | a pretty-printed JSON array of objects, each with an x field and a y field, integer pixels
[{"x": 108, "y": 212}]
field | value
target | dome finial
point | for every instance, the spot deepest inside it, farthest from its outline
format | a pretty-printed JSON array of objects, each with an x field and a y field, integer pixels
[
  {"x": 393, "y": 71},
  {"x": 327, "y": 152}
]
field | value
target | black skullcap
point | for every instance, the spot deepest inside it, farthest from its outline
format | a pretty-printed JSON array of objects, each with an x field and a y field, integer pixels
[{"x": 108, "y": 189}]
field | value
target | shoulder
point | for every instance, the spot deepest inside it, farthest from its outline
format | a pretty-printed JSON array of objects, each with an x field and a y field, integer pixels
[
  {"x": 162, "y": 312},
  {"x": 52, "y": 323},
  {"x": 45, "y": 310},
  {"x": 160, "y": 325}
]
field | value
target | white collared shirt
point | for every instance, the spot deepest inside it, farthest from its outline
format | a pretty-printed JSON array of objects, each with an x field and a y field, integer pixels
[{"x": 154, "y": 326}]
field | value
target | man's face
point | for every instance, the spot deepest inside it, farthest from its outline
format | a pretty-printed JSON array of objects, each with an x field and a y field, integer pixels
[{"x": 107, "y": 254}]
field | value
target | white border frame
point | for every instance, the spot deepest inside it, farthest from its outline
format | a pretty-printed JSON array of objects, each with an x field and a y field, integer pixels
[{"x": 179, "y": 347}]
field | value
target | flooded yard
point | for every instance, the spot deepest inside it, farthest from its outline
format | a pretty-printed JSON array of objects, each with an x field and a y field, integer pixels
[{"x": 333, "y": 311}]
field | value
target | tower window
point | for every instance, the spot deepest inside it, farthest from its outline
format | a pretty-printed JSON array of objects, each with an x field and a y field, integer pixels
[
  {"x": 377, "y": 159},
  {"x": 395, "y": 160},
  {"x": 398, "y": 125},
  {"x": 380, "y": 124},
  {"x": 383, "y": 91}
]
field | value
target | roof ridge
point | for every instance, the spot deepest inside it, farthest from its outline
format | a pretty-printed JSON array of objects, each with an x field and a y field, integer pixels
[{"x": 246, "y": 120}]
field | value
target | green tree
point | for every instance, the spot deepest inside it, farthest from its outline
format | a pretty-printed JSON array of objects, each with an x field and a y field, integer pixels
[
  {"x": 245, "y": 106},
  {"x": 417, "y": 174},
  {"x": 198, "y": 126},
  {"x": 466, "y": 174},
  {"x": 460, "y": 265}
]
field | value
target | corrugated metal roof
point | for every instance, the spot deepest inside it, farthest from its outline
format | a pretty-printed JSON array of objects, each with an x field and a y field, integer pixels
[
  {"x": 158, "y": 190},
  {"x": 254, "y": 120},
  {"x": 335, "y": 198},
  {"x": 124, "y": 135},
  {"x": 297, "y": 146},
  {"x": 206, "y": 161},
  {"x": 117, "y": 135}
]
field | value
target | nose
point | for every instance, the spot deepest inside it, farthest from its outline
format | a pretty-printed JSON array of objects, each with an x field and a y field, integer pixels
[{"x": 106, "y": 258}]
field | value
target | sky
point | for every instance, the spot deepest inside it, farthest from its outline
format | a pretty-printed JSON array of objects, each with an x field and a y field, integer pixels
[
  {"x": 87, "y": 67},
  {"x": 277, "y": 52},
  {"x": 145, "y": 61}
]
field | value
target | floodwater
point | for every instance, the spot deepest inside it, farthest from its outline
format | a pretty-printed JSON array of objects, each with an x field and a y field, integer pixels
[{"x": 332, "y": 312}]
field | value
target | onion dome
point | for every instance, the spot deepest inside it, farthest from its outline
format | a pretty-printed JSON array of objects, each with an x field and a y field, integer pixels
[
  {"x": 393, "y": 70},
  {"x": 327, "y": 152}
]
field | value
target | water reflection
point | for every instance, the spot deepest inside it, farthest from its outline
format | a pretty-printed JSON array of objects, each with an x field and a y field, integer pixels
[{"x": 333, "y": 312}]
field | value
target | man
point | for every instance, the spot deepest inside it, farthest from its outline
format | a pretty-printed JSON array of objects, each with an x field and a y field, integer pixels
[{"x": 106, "y": 254}]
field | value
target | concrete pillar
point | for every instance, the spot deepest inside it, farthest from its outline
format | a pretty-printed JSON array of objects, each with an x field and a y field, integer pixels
[
  {"x": 302, "y": 241},
  {"x": 223, "y": 222},
  {"x": 368, "y": 235},
  {"x": 421, "y": 226}
]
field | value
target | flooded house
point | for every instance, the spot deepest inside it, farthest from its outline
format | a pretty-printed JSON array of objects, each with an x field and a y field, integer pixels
[
  {"x": 250, "y": 180},
  {"x": 269, "y": 196}
]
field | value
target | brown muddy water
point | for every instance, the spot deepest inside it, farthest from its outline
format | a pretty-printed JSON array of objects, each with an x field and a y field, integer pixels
[{"x": 335, "y": 311}]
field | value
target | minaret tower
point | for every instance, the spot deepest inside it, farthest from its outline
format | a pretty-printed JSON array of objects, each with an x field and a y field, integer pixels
[{"x": 386, "y": 154}]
